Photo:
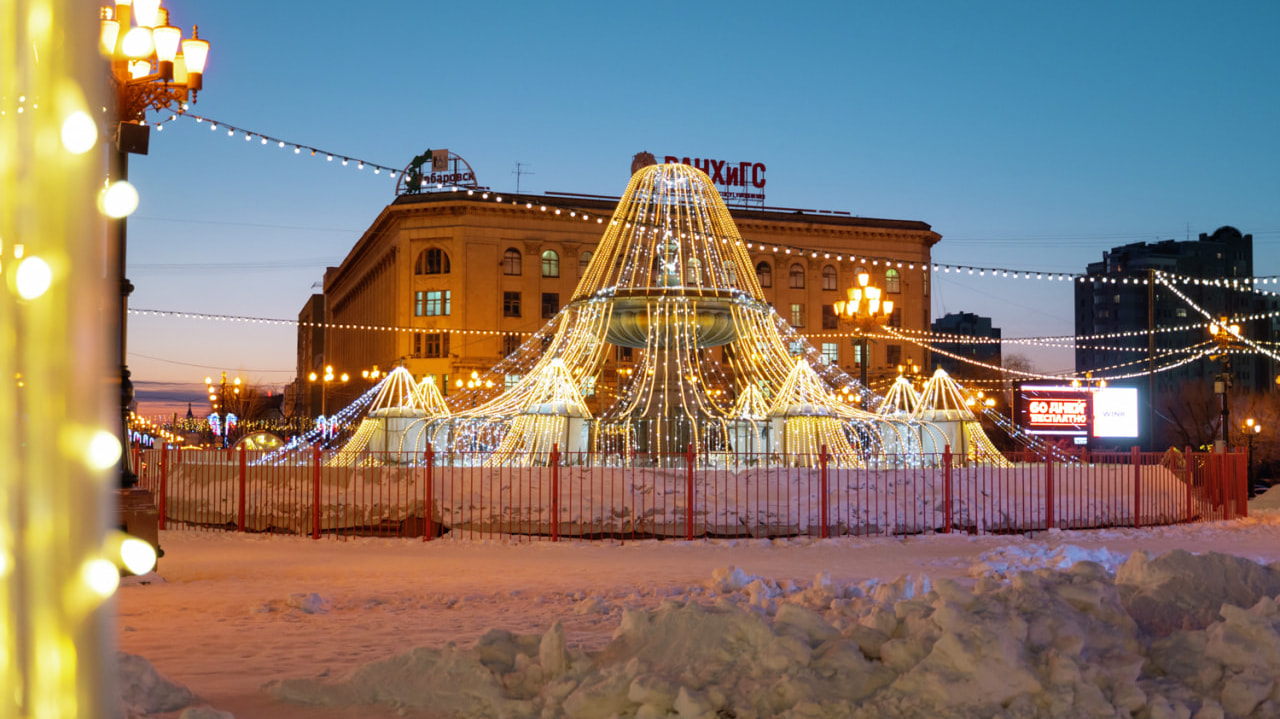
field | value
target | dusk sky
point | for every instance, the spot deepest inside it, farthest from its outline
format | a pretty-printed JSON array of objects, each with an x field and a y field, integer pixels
[{"x": 1030, "y": 136}]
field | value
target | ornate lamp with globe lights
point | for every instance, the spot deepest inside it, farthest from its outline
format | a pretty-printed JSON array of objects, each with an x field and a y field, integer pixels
[
  {"x": 866, "y": 311},
  {"x": 152, "y": 69}
]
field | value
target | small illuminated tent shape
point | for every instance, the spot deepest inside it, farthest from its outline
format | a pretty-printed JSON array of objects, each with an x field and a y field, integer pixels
[
  {"x": 901, "y": 399},
  {"x": 805, "y": 416},
  {"x": 396, "y": 407},
  {"x": 553, "y": 415},
  {"x": 943, "y": 404},
  {"x": 746, "y": 426}
]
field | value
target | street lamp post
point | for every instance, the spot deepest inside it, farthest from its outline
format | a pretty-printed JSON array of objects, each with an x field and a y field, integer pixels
[
  {"x": 152, "y": 68},
  {"x": 1249, "y": 430},
  {"x": 222, "y": 403},
  {"x": 1226, "y": 335},
  {"x": 867, "y": 311},
  {"x": 324, "y": 381}
]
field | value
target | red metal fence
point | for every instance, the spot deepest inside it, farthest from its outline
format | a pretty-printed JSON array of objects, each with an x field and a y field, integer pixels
[{"x": 684, "y": 496}]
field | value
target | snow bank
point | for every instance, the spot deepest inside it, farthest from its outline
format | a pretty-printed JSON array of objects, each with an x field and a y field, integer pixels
[{"x": 1175, "y": 637}]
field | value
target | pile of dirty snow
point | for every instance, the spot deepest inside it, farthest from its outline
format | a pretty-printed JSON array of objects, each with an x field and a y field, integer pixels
[{"x": 1178, "y": 636}]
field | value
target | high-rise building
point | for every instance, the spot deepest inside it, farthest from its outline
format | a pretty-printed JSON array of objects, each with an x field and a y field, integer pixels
[
  {"x": 1122, "y": 331},
  {"x": 963, "y": 359}
]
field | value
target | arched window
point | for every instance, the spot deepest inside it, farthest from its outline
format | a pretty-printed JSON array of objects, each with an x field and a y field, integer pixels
[
  {"x": 892, "y": 282},
  {"x": 730, "y": 274},
  {"x": 511, "y": 262},
  {"x": 797, "y": 276},
  {"x": 583, "y": 260},
  {"x": 764, "y": 273},
  {"x": 431, "y": 261},
  {"x": 829, "y": 278},
  {"x": 550, "y": 264},
  {"x": 860, "y": 271}
]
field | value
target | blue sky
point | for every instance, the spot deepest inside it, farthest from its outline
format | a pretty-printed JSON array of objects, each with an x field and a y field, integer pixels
[{"x": 1030, "y": 136}]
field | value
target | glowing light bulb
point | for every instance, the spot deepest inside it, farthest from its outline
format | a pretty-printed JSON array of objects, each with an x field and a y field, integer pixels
[
  {"x": 33, "y": 278},
  {"x": 79, "y": 133}
]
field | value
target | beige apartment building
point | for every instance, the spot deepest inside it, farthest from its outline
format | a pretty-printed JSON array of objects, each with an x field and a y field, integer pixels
[{"x": 449, "y": 283}]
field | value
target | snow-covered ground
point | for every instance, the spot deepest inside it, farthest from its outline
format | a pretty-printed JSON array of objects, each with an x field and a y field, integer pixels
[{"x": 1163, "y": 623}]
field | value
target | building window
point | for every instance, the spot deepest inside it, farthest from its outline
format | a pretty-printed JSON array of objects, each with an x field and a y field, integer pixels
[
  {"x": 510, "y": 343},
  {"x": 892, "y": 282},
  {"x": 829, "y": 278},
  {"x": 730, "y": 274},
  {"x": 829, "y": 319},
  {"x": 624, "y": 354},
  {"x": 550, "y": 264},
  {"x": 583, "y": 261},
  {"x": 830, "y": 352},
  {"x": 797, "y": 276},
  {"x": 893, "y": 355},
  {"x": 435, "y": 344},
  {"x": 431, "y": 261},
  {"x": 431, "y": 303},
  {"x": 511, "y": 262},
  {"x": 860, "y": 271},
  {"x": 510, "y": 304},
  {"x": 924, "y": 283},
  {"x": 797, "y": 314},
  {"x": 797, "y": 348},
  {"x": 431, "y": 344},
  {"x": 511, "y": 380},
  {"x": 857, "y": 353},
  {"x": 588, "y": 388},
  {"x": 1181, "y": 312},
  {"x": 550, "y": 304},
  {"x": 895, "y": 318},
  {"x": 764, "y": 273},
  {"x": 727, "y": 354}
]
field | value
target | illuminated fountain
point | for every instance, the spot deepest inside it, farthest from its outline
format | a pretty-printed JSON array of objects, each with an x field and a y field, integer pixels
[{"x": 672, "y": 280}]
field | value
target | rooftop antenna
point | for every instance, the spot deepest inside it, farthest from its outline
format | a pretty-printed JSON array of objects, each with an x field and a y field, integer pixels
[{"x": 520, "y": 171}]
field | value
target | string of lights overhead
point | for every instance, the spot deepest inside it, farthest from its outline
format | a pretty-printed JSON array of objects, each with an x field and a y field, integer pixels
[
  {"x": 324, "y": 325},
  {"x": 299, "y": 148}
]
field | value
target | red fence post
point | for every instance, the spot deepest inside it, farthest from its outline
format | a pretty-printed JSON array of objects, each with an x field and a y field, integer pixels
[
  {"x": 1137, "y": 486},
  {"x": 555, "y": 492},
  {"x": 1188, "y": 473},
  {"x": 946, "y": 489},
  {"x": 688, "y": 494},
  {"x": 164, "y": 485},
  {"x": 244, "y": 478},
  {"x": 822, "y": 459},
  {"x": 1048, "y": 492},
  {"x": 428, "y": 523},
  {"x": 1242, "y": 486},
  {"x": 315, "y": 492}
]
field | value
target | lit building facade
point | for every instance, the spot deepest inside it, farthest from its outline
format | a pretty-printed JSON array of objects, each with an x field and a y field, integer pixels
[{"x": 449, "y": 283}]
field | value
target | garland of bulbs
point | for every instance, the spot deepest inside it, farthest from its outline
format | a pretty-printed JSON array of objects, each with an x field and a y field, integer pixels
[{"x": 937, "y": 267}]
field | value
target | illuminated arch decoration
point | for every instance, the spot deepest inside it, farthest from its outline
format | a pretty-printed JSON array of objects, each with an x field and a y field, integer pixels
[{"x": 943, "y": 404}]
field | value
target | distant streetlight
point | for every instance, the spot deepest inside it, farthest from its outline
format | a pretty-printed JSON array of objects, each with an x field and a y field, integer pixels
[
  {"x": 1250, "y": 429},
  {"x": 866, "y": 311},
  {"x": 1227, "y": 336},
  {"x": 222, "y": 403},
  {"x": 152, "y": 68},
  {"x": 324, "y": 381}
]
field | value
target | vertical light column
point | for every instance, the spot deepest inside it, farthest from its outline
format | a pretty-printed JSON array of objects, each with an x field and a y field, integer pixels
[{"x": 58, "y": 439}]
